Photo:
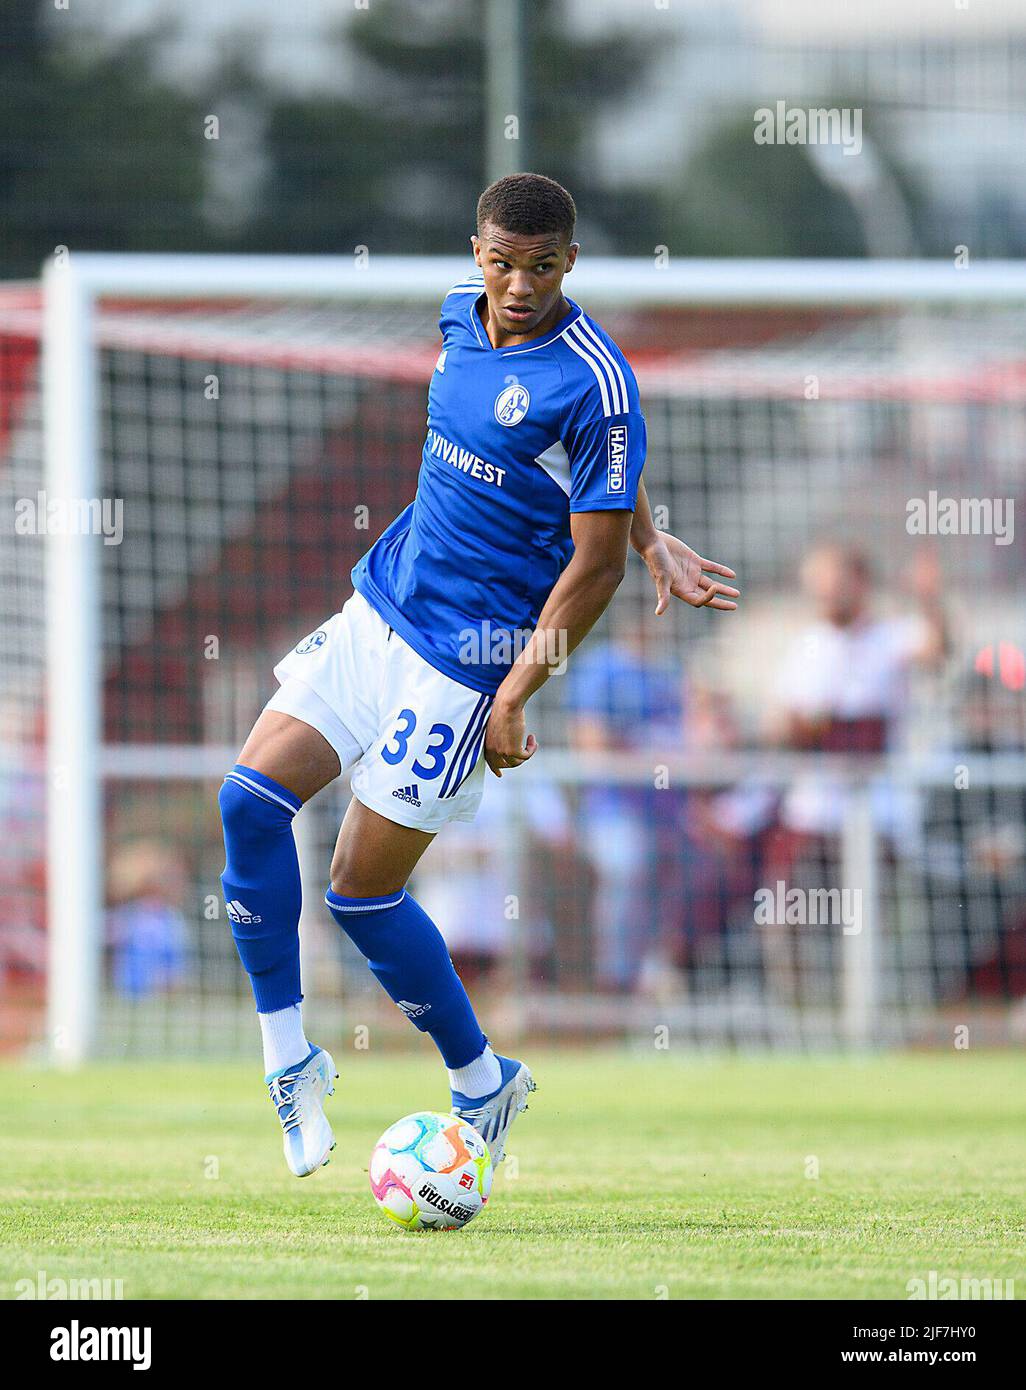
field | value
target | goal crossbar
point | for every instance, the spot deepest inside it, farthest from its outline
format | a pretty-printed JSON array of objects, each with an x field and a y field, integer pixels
[{"x": 613, "y": 280}]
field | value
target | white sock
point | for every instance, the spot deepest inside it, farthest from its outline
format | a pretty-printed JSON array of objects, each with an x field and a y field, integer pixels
[
  {"x": 285, "y": 1042},
  {"x": 480, "y": 1077}
]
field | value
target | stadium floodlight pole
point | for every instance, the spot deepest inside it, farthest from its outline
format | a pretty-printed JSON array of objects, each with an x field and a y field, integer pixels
[
  {"x": 73, "y": 647},
  {"x": 507, "y": 123}
]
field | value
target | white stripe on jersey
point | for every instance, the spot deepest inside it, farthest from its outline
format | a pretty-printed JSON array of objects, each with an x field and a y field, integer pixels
[
  {"x": 599, "y": 370},
  {"x": 600, "y": 347},
  {"x": 588, "y": 341},
  {"x": 557, "y": 465},
  {"x": 542, "y": 343},
  {"x": 583, "y": 340}
]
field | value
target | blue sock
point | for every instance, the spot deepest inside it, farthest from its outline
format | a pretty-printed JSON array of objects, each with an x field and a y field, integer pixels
[
  {"x": 406, "y": 952},
  {"x": 261, "y": 883}
]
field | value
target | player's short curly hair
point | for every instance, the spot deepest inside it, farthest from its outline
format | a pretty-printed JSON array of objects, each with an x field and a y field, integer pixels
[{"x": 527, "y": 204}]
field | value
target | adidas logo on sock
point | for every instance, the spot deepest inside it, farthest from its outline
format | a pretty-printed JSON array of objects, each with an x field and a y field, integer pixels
[
  {"x": 238, "y": 913},
  {"x": 412, "y": 1010},
  {"x": 410, "y": 794}
]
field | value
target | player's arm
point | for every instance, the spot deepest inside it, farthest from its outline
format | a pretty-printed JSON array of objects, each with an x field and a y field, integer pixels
[
  {"x": 931, "y": 644},
  {"x": 675, "y": 568},
  {"x": 578, "y": 599}
]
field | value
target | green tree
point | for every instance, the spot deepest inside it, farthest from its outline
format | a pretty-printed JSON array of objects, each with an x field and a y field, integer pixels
[
  {"x": 398, "y": 164},
  {"x": 95, "y": 151},
  {"x": 738, "y": 198}
]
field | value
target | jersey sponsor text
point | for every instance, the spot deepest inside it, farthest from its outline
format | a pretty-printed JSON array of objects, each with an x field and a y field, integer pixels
[{"x": 464, "y": 460}]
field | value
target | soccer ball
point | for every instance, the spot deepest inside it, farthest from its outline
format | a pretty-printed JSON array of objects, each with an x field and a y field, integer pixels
[{"x": 431, "y": 1172}]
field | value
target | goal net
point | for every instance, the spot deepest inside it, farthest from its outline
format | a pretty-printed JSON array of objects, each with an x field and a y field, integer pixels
[{"x": 195, "y": 451}]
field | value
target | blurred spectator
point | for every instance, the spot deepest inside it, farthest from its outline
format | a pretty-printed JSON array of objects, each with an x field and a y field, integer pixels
[
  {"x": 712, "y": 876},
  {"x": 23, "y": 873},
  {"x": 621, "y": 699},
  {"x": 974, "y": 854},
  {"x": 842, "y": 688},
  {"x": 843, "y": 685},
  {"x": 466, "y": 883},
  {"x": 146, "y": 931}
]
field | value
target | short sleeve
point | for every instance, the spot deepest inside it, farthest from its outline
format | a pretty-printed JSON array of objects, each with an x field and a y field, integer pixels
[{"x": 606, "y": 455}]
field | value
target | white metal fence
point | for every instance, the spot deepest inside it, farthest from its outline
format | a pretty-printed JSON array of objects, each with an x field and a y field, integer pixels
[{"x": 868, "y": 937}]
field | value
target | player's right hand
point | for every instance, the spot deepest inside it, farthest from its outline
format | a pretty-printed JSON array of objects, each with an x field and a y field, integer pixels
[{"x": 507, "y": 743}]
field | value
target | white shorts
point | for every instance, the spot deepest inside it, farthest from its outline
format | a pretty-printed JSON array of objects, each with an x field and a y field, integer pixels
[{"x": 412, "y": 735}]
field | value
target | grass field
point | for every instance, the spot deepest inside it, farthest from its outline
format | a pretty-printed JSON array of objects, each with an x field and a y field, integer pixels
[{"x": 635, "y": 1179}]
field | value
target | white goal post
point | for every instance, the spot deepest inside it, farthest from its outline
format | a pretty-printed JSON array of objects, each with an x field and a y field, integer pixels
[{"x": 73, "y": 290}]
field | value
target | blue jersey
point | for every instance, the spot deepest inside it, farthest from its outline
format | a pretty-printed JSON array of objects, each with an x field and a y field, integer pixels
[{"x": 518, "y": 438}]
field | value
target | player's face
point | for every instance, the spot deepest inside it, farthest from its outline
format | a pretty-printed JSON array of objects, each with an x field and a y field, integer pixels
[
  {"x": 523, "y": 278},
  {"x": 837, "y": 587}
]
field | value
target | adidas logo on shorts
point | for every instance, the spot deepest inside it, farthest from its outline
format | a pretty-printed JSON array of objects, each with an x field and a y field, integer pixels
[{"x": 409, "y": 794}]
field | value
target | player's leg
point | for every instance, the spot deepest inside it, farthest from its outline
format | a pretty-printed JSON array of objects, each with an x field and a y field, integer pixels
[
  {"x": 284, "y": 762},
  {"x": 373, "y": 860},
  {"x": 320, "y": 722}
]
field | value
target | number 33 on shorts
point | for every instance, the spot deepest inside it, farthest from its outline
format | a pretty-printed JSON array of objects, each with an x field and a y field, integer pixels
[
  {"x": 433, "y": 762},
  {"x": 428, "y": 770},
  {"x": 410, "y": 733}
]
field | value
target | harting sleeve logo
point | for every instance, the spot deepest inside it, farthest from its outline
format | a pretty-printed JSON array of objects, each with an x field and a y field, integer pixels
[{"x": 616, "y": 447}]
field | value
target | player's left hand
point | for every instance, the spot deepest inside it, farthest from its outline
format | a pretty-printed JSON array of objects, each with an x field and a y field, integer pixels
[{"x": 677, "y": 569}]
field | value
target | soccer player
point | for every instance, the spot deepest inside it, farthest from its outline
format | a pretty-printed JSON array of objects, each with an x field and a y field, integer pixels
[{"x": 528, "y": 496}]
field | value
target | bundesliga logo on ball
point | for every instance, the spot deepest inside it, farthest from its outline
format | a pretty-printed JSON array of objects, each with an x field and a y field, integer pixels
[{"x": 431, "y": 1172}]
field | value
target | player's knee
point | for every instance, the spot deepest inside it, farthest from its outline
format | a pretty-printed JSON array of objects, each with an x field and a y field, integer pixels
[
  {"x": 354, "y": 884},
  {"x": 239, "y": 811},
  {"x": 352, "y": 879},
  {"x": 248, "y": 819}
]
